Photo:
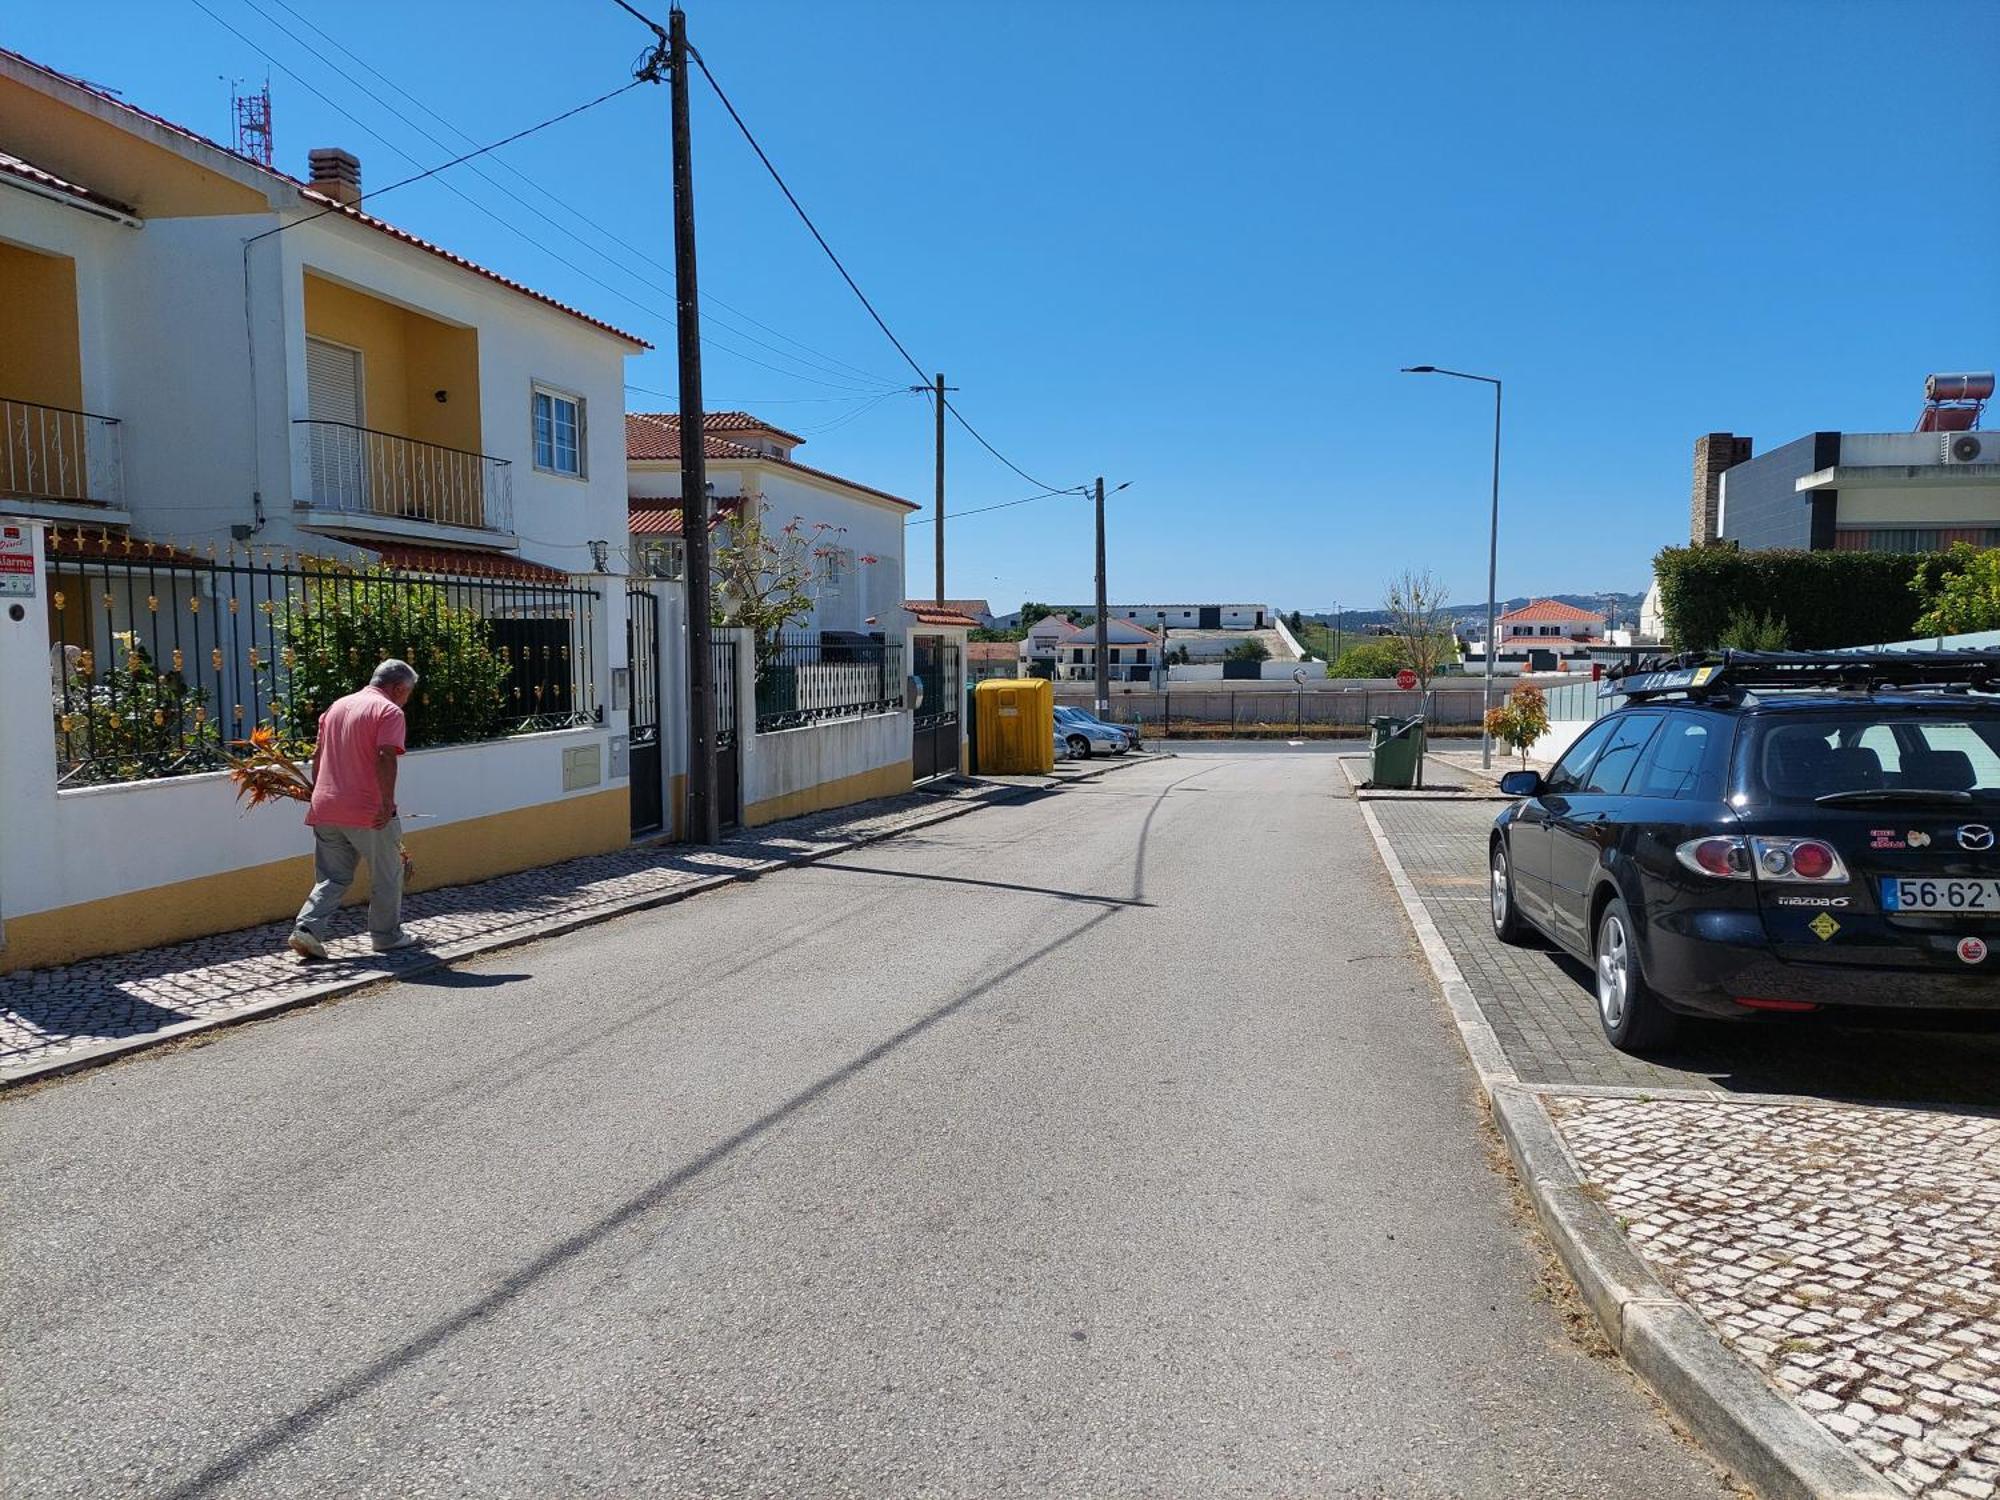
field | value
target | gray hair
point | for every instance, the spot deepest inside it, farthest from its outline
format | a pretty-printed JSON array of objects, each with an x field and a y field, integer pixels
[{"x": 393, "y": 673}]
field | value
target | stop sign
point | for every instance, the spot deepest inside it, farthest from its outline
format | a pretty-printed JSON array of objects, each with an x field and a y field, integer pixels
[{"x": 1406, "y": 679}]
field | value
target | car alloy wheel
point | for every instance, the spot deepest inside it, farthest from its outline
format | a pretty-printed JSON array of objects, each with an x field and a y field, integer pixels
[
  {"x": 1497, "y": 883},
  {"x": 1614, "y": 970},
  {"x": 1079, "y": 747}
]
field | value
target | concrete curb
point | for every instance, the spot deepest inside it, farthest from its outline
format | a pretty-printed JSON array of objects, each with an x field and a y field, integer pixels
[
  {"x": 432, "y": 960},
  {"x": 1739, "y": 1416},
  {"x": 1353, "y": 768}
]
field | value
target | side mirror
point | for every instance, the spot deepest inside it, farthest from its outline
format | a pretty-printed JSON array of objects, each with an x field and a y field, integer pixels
[{"x": 1522, "y": 783}]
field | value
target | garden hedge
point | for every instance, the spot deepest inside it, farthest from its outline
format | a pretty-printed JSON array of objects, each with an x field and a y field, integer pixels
[{"x": 1826, "y": 599}]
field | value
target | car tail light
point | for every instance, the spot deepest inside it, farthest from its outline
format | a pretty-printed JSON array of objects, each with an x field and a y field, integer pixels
[
  {"x": 1724, "y": 857},
  {"x": 1760, "y": 1004},
  {"x": 1809, "y": 861}
]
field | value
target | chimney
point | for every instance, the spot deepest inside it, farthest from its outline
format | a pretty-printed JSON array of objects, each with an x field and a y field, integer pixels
[
  {"x": 336, "y": 173},
  {"x": 1713, "y": 453}
]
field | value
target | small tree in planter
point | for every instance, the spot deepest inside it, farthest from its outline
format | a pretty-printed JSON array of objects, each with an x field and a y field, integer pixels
[{"x": 1521, "y": 720}]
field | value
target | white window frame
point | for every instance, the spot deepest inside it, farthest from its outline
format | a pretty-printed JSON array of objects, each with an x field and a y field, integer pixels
[{"x": 538, "y": 389}]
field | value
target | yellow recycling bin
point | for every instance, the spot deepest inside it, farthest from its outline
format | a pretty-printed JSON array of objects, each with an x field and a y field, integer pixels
[{"x": 1014, "y": 720}]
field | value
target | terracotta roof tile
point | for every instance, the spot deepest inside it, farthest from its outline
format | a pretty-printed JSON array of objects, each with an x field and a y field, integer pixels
[
  {"x": 667, "y": 517},
  {"x": 454, "y": 562},
  {"x": 307, "y": 192},
  {"x": 655, "y": 437},
  {"x": 928, "y": 613},
  {"x": 15, "y": 166},
  {"x": 1550, "y": 610},
  {"x": 743, "y": 421},
  {"x": 993, "y": 650}
]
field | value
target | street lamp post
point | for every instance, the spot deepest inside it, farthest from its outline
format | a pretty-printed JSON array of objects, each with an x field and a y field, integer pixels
[{"x": 1492, "y": 552}]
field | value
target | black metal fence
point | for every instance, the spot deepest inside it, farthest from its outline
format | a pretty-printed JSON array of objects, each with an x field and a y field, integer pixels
[
  {"x": 804, "y": 679},
  {"x": 161, "y": 660}
]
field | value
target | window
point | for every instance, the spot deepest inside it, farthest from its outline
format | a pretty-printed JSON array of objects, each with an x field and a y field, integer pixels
[
  {"x": 1567, "y": 774},
  {"x": 1627, "y": 744},
  {"x": 1679, "y": 763},
  {"x": 558, "y": 432},
  {"x": 1799, "y": 759}
]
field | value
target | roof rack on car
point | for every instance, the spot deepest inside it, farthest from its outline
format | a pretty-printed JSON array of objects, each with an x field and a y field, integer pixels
[{"x": 1731, "y": 674}]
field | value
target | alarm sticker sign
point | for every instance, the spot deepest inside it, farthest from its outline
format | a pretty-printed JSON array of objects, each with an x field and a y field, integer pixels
[{"x": 17, "y": 562}]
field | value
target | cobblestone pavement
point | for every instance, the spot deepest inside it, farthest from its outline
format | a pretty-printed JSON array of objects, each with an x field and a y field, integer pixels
[
  {"x": 1540, "y": 1005},
  {"x": 1852, "y": 1253},
  {"x": 48, "y": 1012}
]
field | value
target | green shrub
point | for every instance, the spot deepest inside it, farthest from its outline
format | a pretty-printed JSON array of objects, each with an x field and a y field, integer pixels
[
  {"x": 1826, "y": 599},
  {"x": 1959, "y": 591},
  {"x": 1751, "y": 630},
  {"x": 350, "y": 624}
]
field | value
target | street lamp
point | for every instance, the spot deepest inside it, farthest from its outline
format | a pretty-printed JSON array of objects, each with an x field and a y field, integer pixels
[{"x": 1492, "y": 550}]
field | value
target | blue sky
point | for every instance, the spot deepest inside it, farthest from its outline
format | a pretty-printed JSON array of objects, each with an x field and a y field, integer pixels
[{"x": 1189, "y": 246}]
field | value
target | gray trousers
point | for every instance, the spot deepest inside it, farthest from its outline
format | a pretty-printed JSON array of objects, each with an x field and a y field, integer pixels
[{"x": 337, "y": 855}]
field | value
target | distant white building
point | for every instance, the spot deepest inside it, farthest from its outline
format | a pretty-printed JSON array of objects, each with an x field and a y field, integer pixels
[
  {"x": 1544, "y": 635},
  {"x": 1070, "y": 651}
]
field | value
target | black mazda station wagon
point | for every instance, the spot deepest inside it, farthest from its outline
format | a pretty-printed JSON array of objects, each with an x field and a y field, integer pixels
[{"x": 1753, "y": 833}]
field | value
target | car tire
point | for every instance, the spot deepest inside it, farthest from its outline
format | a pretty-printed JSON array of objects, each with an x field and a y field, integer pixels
[
  {"x": 1079, "y": 747},
  {"x": 1508, "y": 924},
  {"x": 1632, "y": 1016}
]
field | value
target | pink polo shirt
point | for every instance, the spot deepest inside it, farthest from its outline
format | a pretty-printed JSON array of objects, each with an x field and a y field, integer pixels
[{"x": 346, "y": 790}]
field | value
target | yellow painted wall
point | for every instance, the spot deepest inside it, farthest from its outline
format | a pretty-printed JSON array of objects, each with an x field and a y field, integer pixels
[
  {"x": 120, "y": 163},
  {"x": 406, "y": 358},
  {"x": 454, "y": 854},
  {"x": 864, "y": 786},
  {"x": 41, "y": 359}
]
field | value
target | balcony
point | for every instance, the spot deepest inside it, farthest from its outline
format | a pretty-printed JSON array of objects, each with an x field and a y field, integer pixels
[
  {"x": 54, "y": 454},
  {"x": 358, "y": 473}
]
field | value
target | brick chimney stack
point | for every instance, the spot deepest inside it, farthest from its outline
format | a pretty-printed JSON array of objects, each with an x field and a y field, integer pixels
[
  {"x": 336, "y": 173},
  {"x": 1713, "y": 453}
]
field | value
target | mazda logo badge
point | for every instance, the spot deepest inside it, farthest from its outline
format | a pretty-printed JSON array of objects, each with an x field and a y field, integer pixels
[{"x": 1975, "y": 836}]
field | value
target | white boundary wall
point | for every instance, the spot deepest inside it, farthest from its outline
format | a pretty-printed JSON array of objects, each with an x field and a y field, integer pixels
[{"x": 61, "y": 848}]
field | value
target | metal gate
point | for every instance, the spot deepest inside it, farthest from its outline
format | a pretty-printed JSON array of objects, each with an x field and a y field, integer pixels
[
  {"x": 728, "y": 755},
  {"x": 642, "y": 646},
  {"x": 934, "y": 743}
]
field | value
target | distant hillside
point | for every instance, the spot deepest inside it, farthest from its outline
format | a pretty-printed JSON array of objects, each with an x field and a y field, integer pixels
[{"x": 1622, "y": 608}]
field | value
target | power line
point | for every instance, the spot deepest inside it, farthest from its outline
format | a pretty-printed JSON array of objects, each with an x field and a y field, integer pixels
[
  {"x": 569, "y": 208},
  {"x": 843, "y": 383},
  {"x": 983, "y": 509},
  {"x": 853, "y": 286}
]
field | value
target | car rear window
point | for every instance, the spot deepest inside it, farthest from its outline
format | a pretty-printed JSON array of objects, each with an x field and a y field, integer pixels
[{"x": 1802, "y": 758}]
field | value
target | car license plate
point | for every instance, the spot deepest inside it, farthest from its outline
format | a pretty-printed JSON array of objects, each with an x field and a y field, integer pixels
[{"x": 1902, "y": 894}]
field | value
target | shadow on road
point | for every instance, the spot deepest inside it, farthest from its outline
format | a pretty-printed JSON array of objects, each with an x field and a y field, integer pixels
[{"x": 1932, "y": 1061}]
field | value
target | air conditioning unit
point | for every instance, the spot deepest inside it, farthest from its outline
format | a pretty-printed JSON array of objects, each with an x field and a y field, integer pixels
[{"x": 1969, "y": 447}]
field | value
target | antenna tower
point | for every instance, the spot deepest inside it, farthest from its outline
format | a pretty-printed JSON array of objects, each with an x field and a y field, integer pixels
[{"x": 253, "y": 122}]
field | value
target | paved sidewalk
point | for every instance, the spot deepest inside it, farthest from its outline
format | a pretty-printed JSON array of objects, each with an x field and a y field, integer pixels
[
  {"x": 49, "y": 1014},
  {"x": 1826, "y": 1198}
]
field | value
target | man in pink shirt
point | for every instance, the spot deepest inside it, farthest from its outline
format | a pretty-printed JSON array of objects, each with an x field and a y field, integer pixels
[{"x": 353, "y": 815}]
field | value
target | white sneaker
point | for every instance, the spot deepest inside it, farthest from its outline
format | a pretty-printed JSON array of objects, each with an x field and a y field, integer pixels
[
  {"x": 402, "y": 937},
  {"x": 305, "y": 944}
]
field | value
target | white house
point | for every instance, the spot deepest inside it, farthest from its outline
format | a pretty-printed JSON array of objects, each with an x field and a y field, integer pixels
[
  {"x": 217, "y": 382},
  {"x": 1069, "y": 652},
  {"x": 1542, "y": 636},
  {"x": 853, "y": 531}
]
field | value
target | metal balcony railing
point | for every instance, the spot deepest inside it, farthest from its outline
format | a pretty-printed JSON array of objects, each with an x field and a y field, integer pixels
[
  {"x": 358, "y": 471},
  {"x": 53, "y": 453}
]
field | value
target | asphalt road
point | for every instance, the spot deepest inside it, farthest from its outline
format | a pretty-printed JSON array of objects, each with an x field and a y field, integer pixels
[{"x": 1109, "y": 1144}]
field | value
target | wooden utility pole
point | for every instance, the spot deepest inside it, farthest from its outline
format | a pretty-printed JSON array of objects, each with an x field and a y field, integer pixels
[
  {"x": 704, "y": 823},
  {"x": 1103, "y": 622},
  {"x": 939, "y": 538}
]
